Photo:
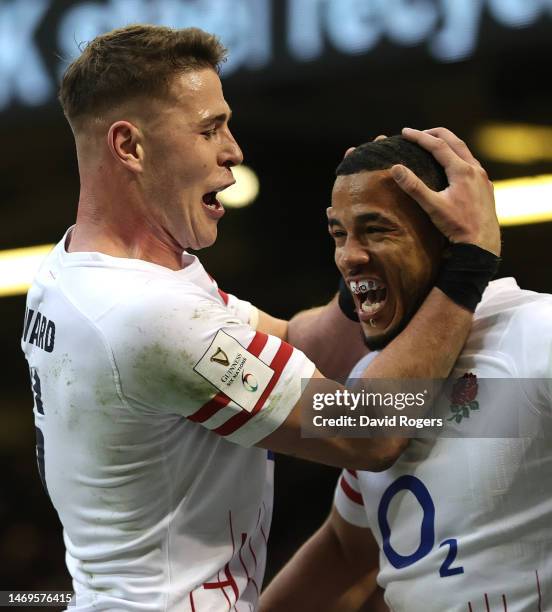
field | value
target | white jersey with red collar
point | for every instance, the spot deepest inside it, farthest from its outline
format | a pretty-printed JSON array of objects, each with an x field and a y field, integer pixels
[
  {"x": 465, "y": 525},
  {"x": 151, "y": 388}
]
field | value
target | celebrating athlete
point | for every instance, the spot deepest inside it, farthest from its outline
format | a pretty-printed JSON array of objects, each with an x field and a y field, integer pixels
[
  {"x": 457, "y": 524},
  {"x": 157, "y": 395}
]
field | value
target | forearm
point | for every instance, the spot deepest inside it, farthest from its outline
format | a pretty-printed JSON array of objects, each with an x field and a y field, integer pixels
[
  {"x": 427, "y": 348},
  {"x": 430, "y": 344},
  {"x": 376, "y": 603},
  {"x": 374, "y": 454},
  {"x": 328, "y": 338},
  {"x": 319, "y": 578}
]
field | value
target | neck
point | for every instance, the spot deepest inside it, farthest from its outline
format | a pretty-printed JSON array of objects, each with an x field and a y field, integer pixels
[{"x": 113, "y": 219}]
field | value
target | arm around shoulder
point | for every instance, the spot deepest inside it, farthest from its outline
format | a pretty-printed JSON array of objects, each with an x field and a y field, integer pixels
[{"x": 374, "y": 454}]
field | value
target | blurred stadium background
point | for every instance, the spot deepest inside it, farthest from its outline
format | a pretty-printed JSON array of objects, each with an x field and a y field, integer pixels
[{"x": 306, "y": 79}]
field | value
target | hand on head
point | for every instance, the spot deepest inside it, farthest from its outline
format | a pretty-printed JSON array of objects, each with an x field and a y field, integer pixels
[
  {"x": 465, "y": 210},
  {"x": 351, "y": 149}
]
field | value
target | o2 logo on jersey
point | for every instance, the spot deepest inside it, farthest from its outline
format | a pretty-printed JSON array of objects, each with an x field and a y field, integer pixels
[
  {"x": 427, "y": 530},
  {"x": 250, "y": 382}
]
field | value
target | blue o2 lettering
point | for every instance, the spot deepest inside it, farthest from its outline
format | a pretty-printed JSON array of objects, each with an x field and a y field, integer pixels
[
  {"x": 446, "y": 569},
  {"x": 427, "y": 528}
]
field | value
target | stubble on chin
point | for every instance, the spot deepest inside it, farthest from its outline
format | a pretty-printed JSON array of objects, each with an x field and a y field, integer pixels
[{"x": 380, "y": 341}]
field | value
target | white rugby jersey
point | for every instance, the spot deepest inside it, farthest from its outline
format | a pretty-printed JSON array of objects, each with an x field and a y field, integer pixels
[
  {"x": 465, "y": 525},
  {"x": 150, "y": 390}
]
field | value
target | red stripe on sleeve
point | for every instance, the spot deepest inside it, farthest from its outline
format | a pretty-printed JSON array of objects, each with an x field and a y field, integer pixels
[
  {"x": 210, "y": 408},
  {"x": 353, "y": 473},
  {"x": 221, "y": 399},
  {"x": 277, "y": 364},
  {"x": 258, "y": 343},
  {"x": 224, "y": 296},
  {"x": 350, "y": 492}
]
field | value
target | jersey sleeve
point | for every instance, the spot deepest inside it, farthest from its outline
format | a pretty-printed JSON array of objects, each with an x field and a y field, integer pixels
[
  {"x": 186, "y": 353},
  {"x": 241, "y": 309},
  {"x": 348, "y": 499}
]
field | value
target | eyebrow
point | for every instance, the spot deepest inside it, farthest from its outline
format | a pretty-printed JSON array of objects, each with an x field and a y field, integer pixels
[
  {"x": 364, "y": 218},
  {"x": 221, "y": 118}
]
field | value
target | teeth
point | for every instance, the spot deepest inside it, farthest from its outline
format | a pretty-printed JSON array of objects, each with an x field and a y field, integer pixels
[
  {"x": 210, "y": 200},
  {"x": 364, "y": 285},
  {"x": 370, "y": 308}
]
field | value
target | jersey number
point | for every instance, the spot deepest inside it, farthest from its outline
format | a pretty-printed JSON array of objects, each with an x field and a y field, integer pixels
[
  {"x": 37, "y": 396},
  {"x": 427, "y": 528}
]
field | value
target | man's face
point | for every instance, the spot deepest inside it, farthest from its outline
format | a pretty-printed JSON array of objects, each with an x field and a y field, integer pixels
[
  {"x": 188, "y": 153},
  {"x": 386, "y": 248}
]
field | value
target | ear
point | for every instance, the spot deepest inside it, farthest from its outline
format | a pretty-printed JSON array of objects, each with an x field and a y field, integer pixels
[{"x": 124, "y": 140}]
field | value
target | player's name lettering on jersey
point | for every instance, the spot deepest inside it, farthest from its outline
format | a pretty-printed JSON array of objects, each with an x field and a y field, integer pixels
[{"x": 43, "y": 331}]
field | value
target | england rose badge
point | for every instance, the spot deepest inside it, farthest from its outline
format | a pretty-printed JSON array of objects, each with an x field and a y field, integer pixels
[{"x": 463, "y": 397}]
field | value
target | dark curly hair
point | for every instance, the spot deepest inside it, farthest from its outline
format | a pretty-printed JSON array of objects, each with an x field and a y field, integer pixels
[{"x": 384, "y": 153}]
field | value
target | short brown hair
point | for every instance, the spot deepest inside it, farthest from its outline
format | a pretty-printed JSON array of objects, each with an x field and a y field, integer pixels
[{"x": 133, "y": 61}]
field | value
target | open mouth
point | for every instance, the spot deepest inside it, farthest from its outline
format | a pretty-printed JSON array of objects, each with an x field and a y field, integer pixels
[
  {"x": 210, "y": 200},
  {"x": 371, "y": 295}
]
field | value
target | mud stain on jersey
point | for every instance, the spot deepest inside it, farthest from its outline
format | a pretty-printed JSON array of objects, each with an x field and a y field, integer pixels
[
  {"x": 61, "y": 366},
  {"x": 167, "y": 373},
  {"x": 205, "y": 311},
  {"x": 105, "y": 393},
  {"x": 73, "y": 417}
]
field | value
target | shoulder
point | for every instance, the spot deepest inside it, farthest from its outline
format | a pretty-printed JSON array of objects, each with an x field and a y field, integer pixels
[
  {"x": 505, "y": 298},
  {"x": 506, "y": 306},
  {"x": 166, "y": 312},
  {"x": 517, "y": 323}
]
